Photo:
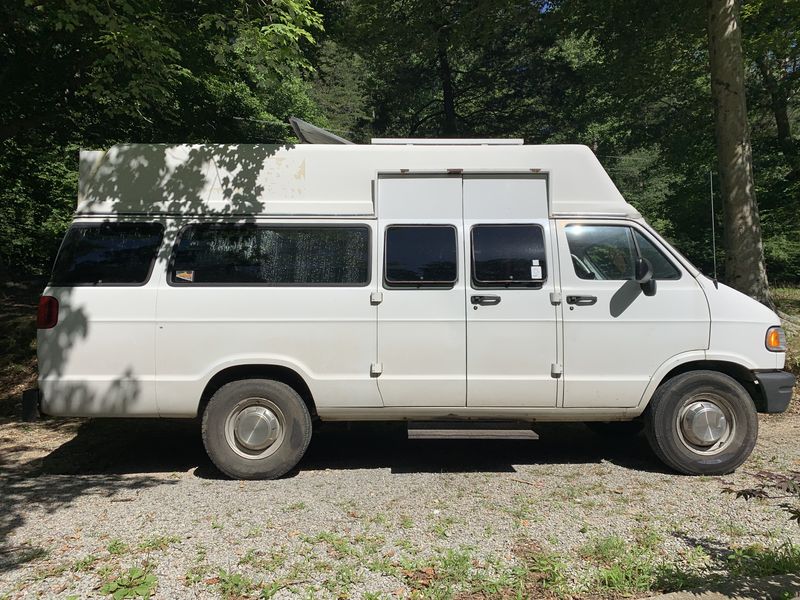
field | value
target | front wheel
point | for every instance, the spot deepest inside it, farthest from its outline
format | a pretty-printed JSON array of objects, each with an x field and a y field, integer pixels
[
  {"x": 702, "y": 423},
  {"x": 256, "y": 429}
]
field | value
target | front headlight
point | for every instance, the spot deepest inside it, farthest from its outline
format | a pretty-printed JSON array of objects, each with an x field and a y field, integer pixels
[{"x": 776, "y": 339}]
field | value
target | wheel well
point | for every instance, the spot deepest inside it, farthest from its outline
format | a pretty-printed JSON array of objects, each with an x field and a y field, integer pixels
[
  {"x": 275, "y": 372},
  {"x": 741, "y": 374}
]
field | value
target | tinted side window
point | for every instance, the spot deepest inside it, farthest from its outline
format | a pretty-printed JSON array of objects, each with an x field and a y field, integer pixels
[
  {"x": 662, "y": 267},
  {"x": 107, "y": 254},
  {"x": 508, "y": 255},
  {"x": 271, "y": 255},
  {"x": 421, "y": 255}
]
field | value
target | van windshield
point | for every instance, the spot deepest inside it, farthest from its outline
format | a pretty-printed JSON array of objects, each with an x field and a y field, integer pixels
[{"x": 107, "y": 254}]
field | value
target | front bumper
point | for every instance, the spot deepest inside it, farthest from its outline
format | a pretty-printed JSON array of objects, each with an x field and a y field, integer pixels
[
  {"x": 776, "y": 389},
  {"x": 30, "y": 405}
]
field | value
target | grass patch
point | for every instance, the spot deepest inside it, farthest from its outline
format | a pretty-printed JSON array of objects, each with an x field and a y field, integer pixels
[
  {"x": 759, "y": 561},
  {"x": 136, "y": 582},
  {"x": 85, "y": 564},
  {"x": 232, "y": 585},
  {"x": 117, "y": 547},
  {"x": 160, "y": 542}
]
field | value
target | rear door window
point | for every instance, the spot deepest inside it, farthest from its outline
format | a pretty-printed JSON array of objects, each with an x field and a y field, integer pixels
[
  {"x": 421, "y": 255},
  {"x": 508, "y": 256},
  {"x": 107, "y": 254}
]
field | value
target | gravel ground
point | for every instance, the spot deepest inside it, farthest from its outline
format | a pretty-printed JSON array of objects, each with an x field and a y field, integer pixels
[{"x": 368, "y": 514}]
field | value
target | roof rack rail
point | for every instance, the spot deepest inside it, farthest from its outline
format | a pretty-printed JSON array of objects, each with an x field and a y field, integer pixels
[{"x": 449, "y": 141}]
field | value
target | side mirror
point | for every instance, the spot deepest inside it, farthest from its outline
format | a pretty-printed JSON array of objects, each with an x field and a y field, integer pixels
[{"x": 644, "y": 276}]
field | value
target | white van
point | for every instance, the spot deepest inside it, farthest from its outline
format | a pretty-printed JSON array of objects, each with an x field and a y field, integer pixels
[{"x": 472, "y": 286}]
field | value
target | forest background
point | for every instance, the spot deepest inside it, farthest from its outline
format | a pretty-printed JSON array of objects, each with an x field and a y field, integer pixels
[{"x": 628, "y": 78}]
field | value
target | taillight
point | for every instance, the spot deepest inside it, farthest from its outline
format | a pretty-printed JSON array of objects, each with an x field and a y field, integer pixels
[{"x": 47, "y": 315}]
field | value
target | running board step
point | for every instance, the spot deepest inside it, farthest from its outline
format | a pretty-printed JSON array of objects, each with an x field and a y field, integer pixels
[{"x": 471, "y": 430}]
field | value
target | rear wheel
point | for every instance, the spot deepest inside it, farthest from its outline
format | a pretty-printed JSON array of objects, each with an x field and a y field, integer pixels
[
  {"x": 256, "y": 429},
  {"x": 702, "y": 423}
]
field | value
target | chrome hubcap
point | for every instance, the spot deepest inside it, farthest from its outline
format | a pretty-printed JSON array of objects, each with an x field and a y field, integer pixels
[
  {"x": 704, "y": 423},
  {"x": 255, "y": 428}
]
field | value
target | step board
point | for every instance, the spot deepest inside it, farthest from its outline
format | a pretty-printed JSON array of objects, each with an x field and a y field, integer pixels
[{"x": 471, "y": 430}]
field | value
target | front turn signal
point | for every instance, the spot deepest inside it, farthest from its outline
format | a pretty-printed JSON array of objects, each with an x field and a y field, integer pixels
[{"x": 776, "y": 339}]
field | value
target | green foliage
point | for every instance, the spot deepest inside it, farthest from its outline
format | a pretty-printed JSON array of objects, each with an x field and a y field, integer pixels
[
  {"x": 629, "y": 78},
  {"x": 87, "y": 74},
  {"x": 134, "y": 583},
  {"x": 233, "y": 585},
  {"x": 758, "y": 561},
  {"x": 117, "y": 547}
]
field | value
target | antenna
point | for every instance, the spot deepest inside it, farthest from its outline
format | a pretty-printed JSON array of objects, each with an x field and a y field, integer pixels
[{"x": 713, "y": 228}]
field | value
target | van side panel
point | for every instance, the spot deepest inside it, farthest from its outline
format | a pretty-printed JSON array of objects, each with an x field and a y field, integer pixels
[
  {"x": 98, "y": 360},
  {"x": 326, "y": 334}
]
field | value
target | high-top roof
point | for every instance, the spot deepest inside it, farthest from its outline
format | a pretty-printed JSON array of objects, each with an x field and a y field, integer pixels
[{"x": 323, "y": 179}]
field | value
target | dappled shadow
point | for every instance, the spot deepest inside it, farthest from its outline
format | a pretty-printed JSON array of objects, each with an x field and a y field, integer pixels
[
  {"x": 764, "y": 563},
  {"x": 142, "y": 182},
  {"x": 20, "y": 495},
  {"x": 129, "y": 183}
]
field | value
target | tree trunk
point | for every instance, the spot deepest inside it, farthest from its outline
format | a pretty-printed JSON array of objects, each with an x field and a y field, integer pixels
[
  {"x": 744, "y": 251},
  {"x": 446, "y": 76},
  {"x": 780, "y": 110}
]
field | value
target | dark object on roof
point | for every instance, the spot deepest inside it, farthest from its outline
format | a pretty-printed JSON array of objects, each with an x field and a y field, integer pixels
[{"x": 311, "y": 134}]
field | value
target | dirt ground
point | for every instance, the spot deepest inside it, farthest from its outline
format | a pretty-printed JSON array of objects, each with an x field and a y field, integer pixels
[{"x": 370, "y": 514}]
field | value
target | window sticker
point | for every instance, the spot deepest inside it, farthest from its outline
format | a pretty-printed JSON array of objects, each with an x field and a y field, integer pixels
[
  {"x": 184, "y": 275},
  {"x": 536, "y": 269}
]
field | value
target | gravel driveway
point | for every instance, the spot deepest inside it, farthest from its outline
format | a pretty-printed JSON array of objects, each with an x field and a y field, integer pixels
[{"x": 369, "y": 514}]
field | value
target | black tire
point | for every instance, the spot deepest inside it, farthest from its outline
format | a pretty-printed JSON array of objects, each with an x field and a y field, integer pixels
[
  {"x": 666, "y": 436},
  {"x": 273, "y": 461},
  {"x": 625, "y": 429}
]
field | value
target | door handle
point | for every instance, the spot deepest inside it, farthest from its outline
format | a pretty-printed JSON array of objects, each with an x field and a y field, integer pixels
[
  {"x": 486, "y": 300},
  {"x": 581, "y": 300}
]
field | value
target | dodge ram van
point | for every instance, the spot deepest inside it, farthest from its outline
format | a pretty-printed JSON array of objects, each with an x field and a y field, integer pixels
[{"x": 464, "y": 286}]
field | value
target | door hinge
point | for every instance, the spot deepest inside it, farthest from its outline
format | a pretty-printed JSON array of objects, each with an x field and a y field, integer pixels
[
  {"x": 556, "y": 370},
  {"x": 375, "y": 369},
  {"x": 555, "y": 298},
  {"x": 376, "y": 298}
]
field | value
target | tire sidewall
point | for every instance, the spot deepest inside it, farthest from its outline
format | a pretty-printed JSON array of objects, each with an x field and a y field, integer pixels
[
  {"x": 285, "y": 457},
  {"x": 662, "y": 426}
]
